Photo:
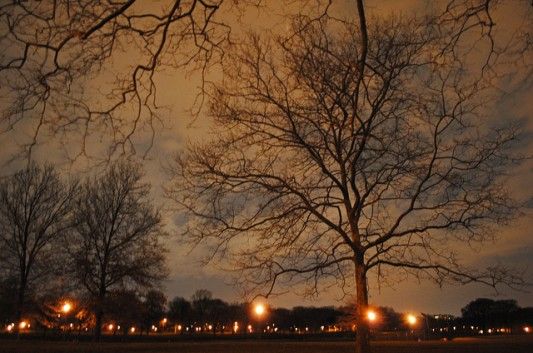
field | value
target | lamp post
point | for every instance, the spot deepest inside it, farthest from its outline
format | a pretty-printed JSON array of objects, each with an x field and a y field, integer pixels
[
  {"x": 66, "y": 308},
  {"x": 372, "y": 317},
  {"x": 411, "y": 320},
  {"x": 260, "y": 311}
]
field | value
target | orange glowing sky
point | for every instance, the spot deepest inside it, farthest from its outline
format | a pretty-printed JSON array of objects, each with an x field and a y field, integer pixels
[{"x": 177, "y": 91}]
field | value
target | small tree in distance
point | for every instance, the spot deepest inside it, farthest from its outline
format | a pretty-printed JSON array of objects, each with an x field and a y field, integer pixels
[
  {"x": 116, "y": 242},
  {"x": 180, "y": 312},
  {"x": 350, "y": 148},
  {"x": 154, "y": 305}
]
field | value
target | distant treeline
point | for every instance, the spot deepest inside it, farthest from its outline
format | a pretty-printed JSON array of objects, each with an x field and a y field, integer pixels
[{"x": 131, "y": 312}]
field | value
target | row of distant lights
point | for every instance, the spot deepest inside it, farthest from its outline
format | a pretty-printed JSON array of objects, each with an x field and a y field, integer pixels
[
  {"x": 410, "y": 319},
  {"x": 259, "y": 310},
  {"x": 22, "y": 326},
  {"x": 372, "y": 316}
]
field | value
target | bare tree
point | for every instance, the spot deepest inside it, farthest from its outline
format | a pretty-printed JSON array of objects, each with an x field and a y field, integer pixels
[
  {"x": 35, "y": 208},
  {"x": 331, "y": 159},
  {"x": 116, "y": 241},
  {"x": 88, "y": 70},
  {"x": 62, "y": 54}
]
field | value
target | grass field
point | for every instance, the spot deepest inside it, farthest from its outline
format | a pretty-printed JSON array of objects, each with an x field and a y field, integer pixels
[{"x": 518, "y": 344}]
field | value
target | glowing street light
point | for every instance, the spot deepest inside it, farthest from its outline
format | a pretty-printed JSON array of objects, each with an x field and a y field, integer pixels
[
  {"x": 66, "y": 307},
  {"x": 371, "y": 315},
  {"x": 527, "y": 329},
  {"x": 411, "y": 319},
  {"x": 110, "y": 327},
  {"x": 132, "y": 329},
  {"x": 22, "y": 325},
  {"x": 259, "y": 309}
]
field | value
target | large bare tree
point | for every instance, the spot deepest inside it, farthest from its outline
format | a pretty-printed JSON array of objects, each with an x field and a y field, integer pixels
[
  {"x": 35, "y": 208},
  {"x": 348, "y": 148},
  {"x": 116, "y": 242}
]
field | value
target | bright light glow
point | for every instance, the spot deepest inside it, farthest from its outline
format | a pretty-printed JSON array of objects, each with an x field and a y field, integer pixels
[
  {"x": 210, "y": 327},
  {"x": 110, "y": 327},
  {"x": 411, "y": 319},
  {"x": 371, "y": 315},
  {"x": 527, "y": 329},
  {"x": 179, "y": 327},
  {"x": 259, "y": 309},
  {"x": 23, "y": 325},
  {"x": 132, "y": 330},
  {"x": 10, "y": 327},
  {"x": 66, "y": 307},
  {"x": 250, "y": 328}
]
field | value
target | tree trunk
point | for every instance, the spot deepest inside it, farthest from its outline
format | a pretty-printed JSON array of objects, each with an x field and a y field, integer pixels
[
  {"x": 20, "y": 304},
  {"x": 99, "y": 313},
  {"x": 362, "y": 344}
]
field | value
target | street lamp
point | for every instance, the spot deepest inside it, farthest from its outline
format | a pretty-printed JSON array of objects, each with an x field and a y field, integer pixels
[
  {"x": 411, "y": 319},
  {"x": 371, "y": 315},
  {"x": 259, "y": 310},
  {"x": 66, "y": 307}
]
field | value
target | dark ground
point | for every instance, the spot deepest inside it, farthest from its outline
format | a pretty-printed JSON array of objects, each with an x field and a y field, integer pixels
[{"x": 502, "y": 344}]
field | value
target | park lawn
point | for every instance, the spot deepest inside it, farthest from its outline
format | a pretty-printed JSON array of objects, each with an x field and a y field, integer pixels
[{"x": 515, "y": 344}]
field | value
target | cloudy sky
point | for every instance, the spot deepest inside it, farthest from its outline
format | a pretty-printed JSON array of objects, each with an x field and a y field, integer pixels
[{"x": 176, "y": 92}]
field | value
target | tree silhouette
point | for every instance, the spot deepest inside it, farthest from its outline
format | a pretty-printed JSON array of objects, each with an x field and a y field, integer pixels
[
  {"x": 116, "y": 238},
  {"x": 154, "y": 305},
  {"x": 35, "y": 211},
  {"x": 180, "y": 312},
  {"x": 346, "y": 148}
]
